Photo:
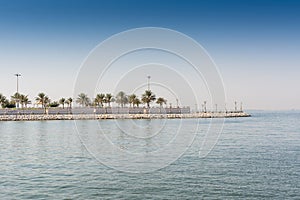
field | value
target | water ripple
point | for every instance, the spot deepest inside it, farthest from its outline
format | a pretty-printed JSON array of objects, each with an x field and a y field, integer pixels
[{"x": 256, "y": 157}]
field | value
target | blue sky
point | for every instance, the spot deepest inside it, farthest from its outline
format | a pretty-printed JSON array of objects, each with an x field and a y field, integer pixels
[{"x": 255, "y": 44}]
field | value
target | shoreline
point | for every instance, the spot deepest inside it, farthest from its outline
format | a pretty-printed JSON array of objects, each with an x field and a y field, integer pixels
[{"x": 43, "y": 117}]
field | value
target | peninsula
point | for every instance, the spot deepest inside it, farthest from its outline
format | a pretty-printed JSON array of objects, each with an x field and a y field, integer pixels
[{"x": 103, "y": 106}]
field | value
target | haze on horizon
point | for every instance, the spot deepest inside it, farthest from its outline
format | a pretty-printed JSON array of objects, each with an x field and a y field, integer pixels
[{"x": 255, "y": 44}]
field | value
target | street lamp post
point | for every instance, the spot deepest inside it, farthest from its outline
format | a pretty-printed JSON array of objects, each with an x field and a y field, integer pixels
[
  {"x": 17, "y": 101},
  {"x": 149, "y": 82},
  {"x": 17, "y": 75},
  {"x": 235, "y": 106}
]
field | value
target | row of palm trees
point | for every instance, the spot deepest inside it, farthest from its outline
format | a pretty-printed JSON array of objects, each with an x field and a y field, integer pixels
[
  {"x": 43, "y": 100},
  {"x": 121, "y": 99},
  {"x": 21, "y": 100},
  {"x": 17, "y": 98},
  {"x": 100, "y": 100}
]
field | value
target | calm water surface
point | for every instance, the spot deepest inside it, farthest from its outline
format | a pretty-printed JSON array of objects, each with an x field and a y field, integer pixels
[{"x": 257, "y": 157}]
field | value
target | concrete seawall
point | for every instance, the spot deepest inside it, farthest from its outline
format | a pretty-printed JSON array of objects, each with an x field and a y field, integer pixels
[{"x": 39, "y": 117}]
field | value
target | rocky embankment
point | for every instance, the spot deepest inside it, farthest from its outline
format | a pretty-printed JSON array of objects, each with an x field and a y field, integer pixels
[{"x": 29, "y": 117}]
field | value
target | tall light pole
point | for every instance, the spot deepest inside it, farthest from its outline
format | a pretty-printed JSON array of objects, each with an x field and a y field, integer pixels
[
  {"x": 148, "y": 77},
  {"x": 17, "y": 101},
  {"x": 235, "y": 106},
  {"x": 17, "y": 75}
]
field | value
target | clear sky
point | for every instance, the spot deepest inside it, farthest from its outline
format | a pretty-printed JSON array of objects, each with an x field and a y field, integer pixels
[{"x": 255, "y": 44}]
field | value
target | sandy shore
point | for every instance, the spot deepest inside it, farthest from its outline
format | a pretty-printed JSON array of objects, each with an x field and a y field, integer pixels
[{"x": 119, "y": 116}]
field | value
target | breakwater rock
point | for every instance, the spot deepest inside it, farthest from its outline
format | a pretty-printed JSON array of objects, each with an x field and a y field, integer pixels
[{"x": 39, "y": 117}]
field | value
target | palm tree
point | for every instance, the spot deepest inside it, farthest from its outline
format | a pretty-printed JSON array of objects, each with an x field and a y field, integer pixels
[
  {"x": 69, "y": 102},
  {"x": 16, "y": 98},
  {"x": 148, "y": 97},
  {"x": 42, "y": 99},
  {"x": 83, "y": 99},
  {"x": 136, "y": 102},
  {"x": 99, "y": 100},
  {"x": 62, "y": 101},
  {"x": 161, "y": 101},
  {"x": 24, "y": 100},
  {"x": 109, "y": 98},
  {"x": 3, "y": 100},
  {"x": 131, "y": 99},
  {"x": 121, "y": 99}
]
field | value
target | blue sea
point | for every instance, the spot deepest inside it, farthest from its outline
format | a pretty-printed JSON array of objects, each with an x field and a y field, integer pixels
[{"x": 253, "y": 158}]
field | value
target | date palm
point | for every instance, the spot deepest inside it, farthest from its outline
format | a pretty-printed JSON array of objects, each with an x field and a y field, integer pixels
[
  {"x": 24, "y": 100},
  {"x": 62, "y": 101},
  {"x": 83, "y": 99},
  {"x": 69, "y": 102},
  {"x": 136, "y": 102},
  {"x": 160, "y": 101},
  {"x": 121, "y": 99},
  {"x": 109, "y": 98},
  {"x": 16, "y": 98},
  {"x": 99, "y": 100},
  {"x": 148, "y": 97},
  {"x": 42, "y": 99},
  {"x": 131, "y": 99}
]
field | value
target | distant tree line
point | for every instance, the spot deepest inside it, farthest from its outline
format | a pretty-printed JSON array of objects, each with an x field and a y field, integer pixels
[
  {"x": 122, "y": 99},
  {"x": 100, "y": 100}
]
